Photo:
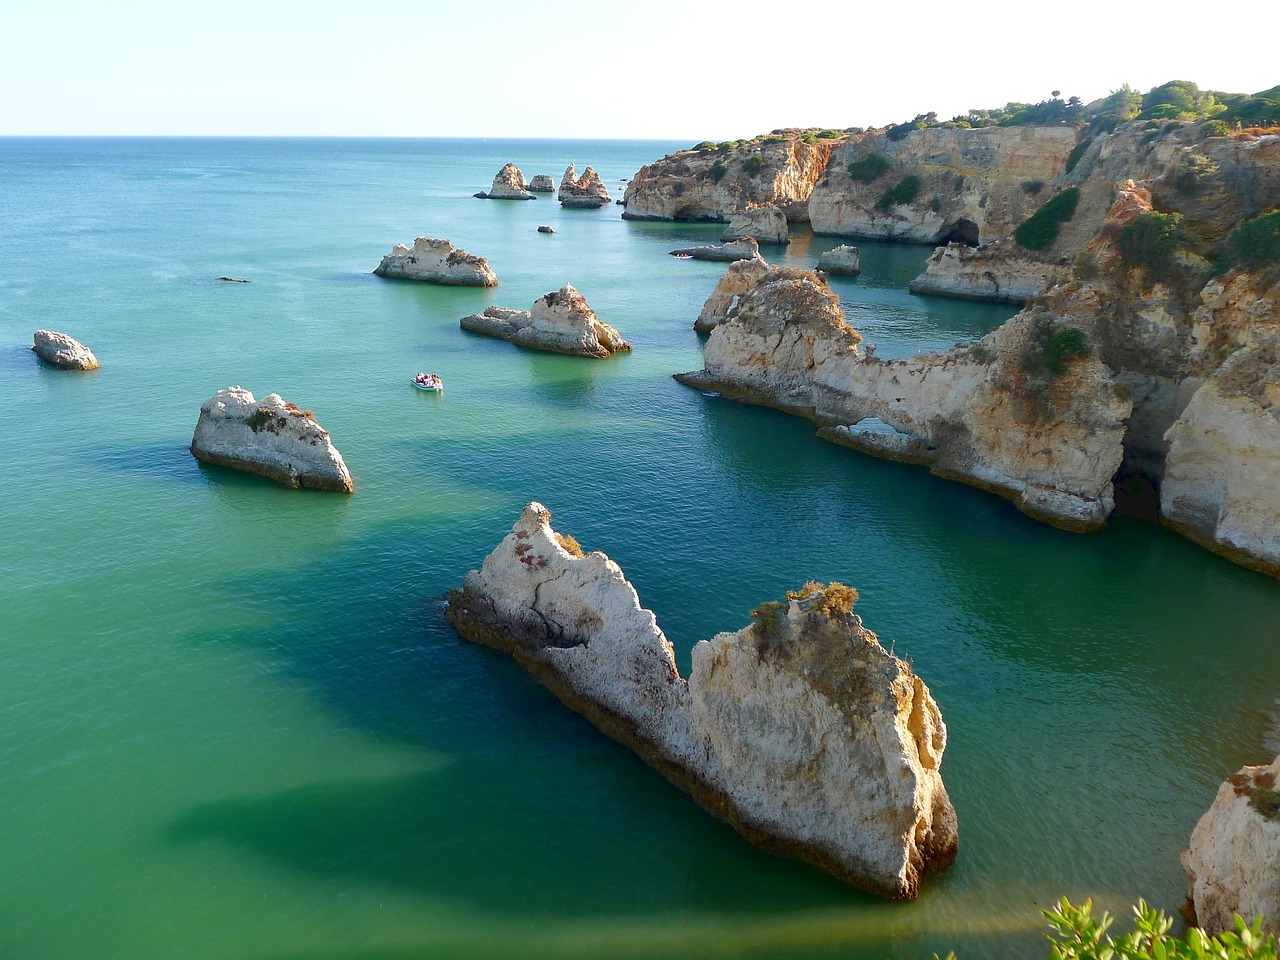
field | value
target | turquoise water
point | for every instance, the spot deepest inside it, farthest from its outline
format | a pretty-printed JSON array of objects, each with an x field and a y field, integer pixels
[{"x": 237, "y": 725}]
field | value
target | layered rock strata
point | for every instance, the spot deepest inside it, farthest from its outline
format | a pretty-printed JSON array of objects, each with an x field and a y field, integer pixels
[
  {"x": 562, "y": 322},
  {"x": 64, "y": 352},
  {"x": 587, "y": 190},
  {"x": 1231, "y": 863},
  {"x": 716, "y": 182},
  {"x": 508, "y": 184},
  {"x": 542, "y": 183},
  {"x": 437, "y": 261},
  {"x": 744, "y": 249},
  {"x": 765, "y": 224},
  {"x": 1050, "y": 443},
  {"x": 741, "y": 276},
  {"x": 269, "y": 437},
  {"x": 842, "y": 261},
  {"x": 985, "y": 273},
  {"x": 801, "y": 731}
]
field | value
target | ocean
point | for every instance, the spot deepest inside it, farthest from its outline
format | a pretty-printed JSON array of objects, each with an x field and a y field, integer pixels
[{"x": 236, "y": 723}]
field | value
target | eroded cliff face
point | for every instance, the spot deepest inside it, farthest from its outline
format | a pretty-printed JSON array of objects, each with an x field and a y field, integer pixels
[
  {"x": 710, "y": 184},
  {"x": 990, "y": 415},
  {"x": 801, "y": 731}
]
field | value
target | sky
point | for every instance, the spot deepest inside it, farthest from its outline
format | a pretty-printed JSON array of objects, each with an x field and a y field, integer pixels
[{"x": 690, "y": 70}]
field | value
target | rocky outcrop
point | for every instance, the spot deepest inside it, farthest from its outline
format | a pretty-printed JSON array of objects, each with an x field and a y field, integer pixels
[
  {"x": 545, "y": 228},
  {"x": 713, "y": 182},
  {"x": 587, "y": 190},
  {"x": 542, "y": 183},
  {"x": 271, "y": 438},
  {"x": 801, "y": 731},
  {"x": 437, "y": 261},
  {"x": 509, "y": 184},
  {"x": 744, "y": 249},
  {"x": 1221, "y": 484},
  {"x": 985, "y": 273},
  {"x": 764, "y": 224},
  {"x": 990, "y": 415},
  {"x": 64, "y": 352},
  {"x": 737, "y": 280},
  {"x": 561, "y": 322},
  {"x": 842, "y": 261},
  {"x": 1231, "y": 863}
]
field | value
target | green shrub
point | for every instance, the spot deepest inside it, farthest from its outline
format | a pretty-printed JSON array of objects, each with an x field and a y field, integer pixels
[
  {"x": 1030, "y": 187},
  {"x": 1254, "y": 244},
  {"x": 753, "y": 165},
  {"x": 868, "y": 168},
  {"x": 1050, "y": 348},
  {"x": 1086, "y": 265},
  {"x": 718, "y": 170},
  {"x": 837, "y": 599},
  {"x": 905, "y": 191},
  {"x": 1150, "y": 241},
  {"x": 705, "y": 145},
  {"x": 259, "y": 418},
  {"x": 1215, "y": 128},
  {"x": 768, "y": 619},
  {"x": 1077, "y": 152},
  {"x": 1041, "y": 228}
]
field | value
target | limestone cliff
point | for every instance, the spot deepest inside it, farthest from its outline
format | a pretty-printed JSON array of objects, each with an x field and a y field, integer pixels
[
  {"x": 718, "y": 182},
  {"x": 437, "y": 261},
  {"x": 801, "y": 731},
  {"x": 1231, "y": 863},
  {"x": 561, "y": 322},
  {"x": 64, "y": 352},
  {"x": 271, "y": 438},
  {"x": 741, "y": 276}
]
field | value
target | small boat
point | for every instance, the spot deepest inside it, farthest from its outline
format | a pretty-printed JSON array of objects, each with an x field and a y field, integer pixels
[{"x": 428, "y": 381}]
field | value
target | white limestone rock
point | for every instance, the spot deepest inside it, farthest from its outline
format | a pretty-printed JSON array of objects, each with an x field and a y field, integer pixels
[
  {"x": 508, "y": 184},
  {"x": 271, "y": 438},
  {"x": 844, "y": 261},
  {"x": 744, "y": 249},
  {"x": 802, "y": 732},
  {"x": 562, "y": 322},
  {"x": 542, "y": 183},
  {"x": 765, "y": 223},
  {"x": 585, "y": 191},
  {"x": 64, "y": 352},
  {"x": 1231, "y": 863},
  {"x": 996, "y": 272},
  {"x": 437, "y": 261},
  {"x": 1222, "y": 473},
  {"x": 741, "y": 276}
]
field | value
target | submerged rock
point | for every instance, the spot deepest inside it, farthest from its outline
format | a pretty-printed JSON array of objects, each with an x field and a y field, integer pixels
[
  {"x": 509, "y": 184},
  {"x": 744, "y": 249},
  {"x": 765, "y": 224},
  {"x": 64, "y": 352},
  {"x": 1231, "y": 863},
  {"x": 437, "y": 261},
  {"x": 271, "y": 438},
  {"x": 562, "y": 322},
  {"x": 585, "y": 191},
  {"x": 844, "y": 260},
  {"x": 542, "y": 183},
  {"x": 800, "y": 731},
  {"x": 741, "y": 277}
]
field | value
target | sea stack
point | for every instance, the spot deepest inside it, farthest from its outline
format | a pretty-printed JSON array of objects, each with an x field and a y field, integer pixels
[
  {"x": 744, "y": 249},
  {"x": 799, "y": 730},
  {"x": 562, "y": 322},
  {"x": 64, "y": 352},
  {"x": 269, "y": 437},
  {"x": 765, "y": 223},
  {"x": 843, "y": 261},
  {"x": 542, "y": 183},
  {"x": 437, "y": 261},
  {"x": 509, "y": 184},
  {"x": 585, "y": 191}
]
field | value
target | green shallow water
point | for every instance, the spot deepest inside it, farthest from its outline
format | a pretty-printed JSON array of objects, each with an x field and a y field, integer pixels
[{"x": 237, "y": 725}]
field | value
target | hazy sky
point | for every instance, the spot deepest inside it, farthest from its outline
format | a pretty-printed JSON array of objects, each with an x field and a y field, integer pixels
[{"x": 687, "y": 70}]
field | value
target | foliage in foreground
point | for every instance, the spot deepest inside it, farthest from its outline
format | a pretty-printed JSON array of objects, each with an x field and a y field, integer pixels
[
  {"x": 1151, "y": 241},
  {"x": 1078, "y": 936},
  {"x": 1041, "y": 228},
  {"x": 1254, "y": 244}
]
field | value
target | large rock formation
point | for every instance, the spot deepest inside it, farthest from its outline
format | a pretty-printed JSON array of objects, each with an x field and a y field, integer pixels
[
  {"x": 801, "y": 731},
  {"x": 741, "y": 276},
  {"x": 509, "y": 184},
  {"x": 561, "y": 322},
  {"x": 744, "y": 249},
  {"x": 765, "y": 224},
  {"x": 994, "y": 415},
  {"x": 843, "y": 261},
  {"x": 437, "y": 261},
  {"x": 985, "y": 273},
  {"x": 1231, "y": 864},
  {"x": 64, "y": 352},
  {"x": 713, "y": 182},
  {"x": 268, "y": 437},
  {"x": 587, "y": 190},
  {"x": 542, "y": 183}
]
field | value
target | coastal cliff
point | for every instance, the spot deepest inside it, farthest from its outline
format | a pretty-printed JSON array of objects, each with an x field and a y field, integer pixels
[
  {"x": 800, "y": 730},
  {"x": 719, "y": 182}
]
